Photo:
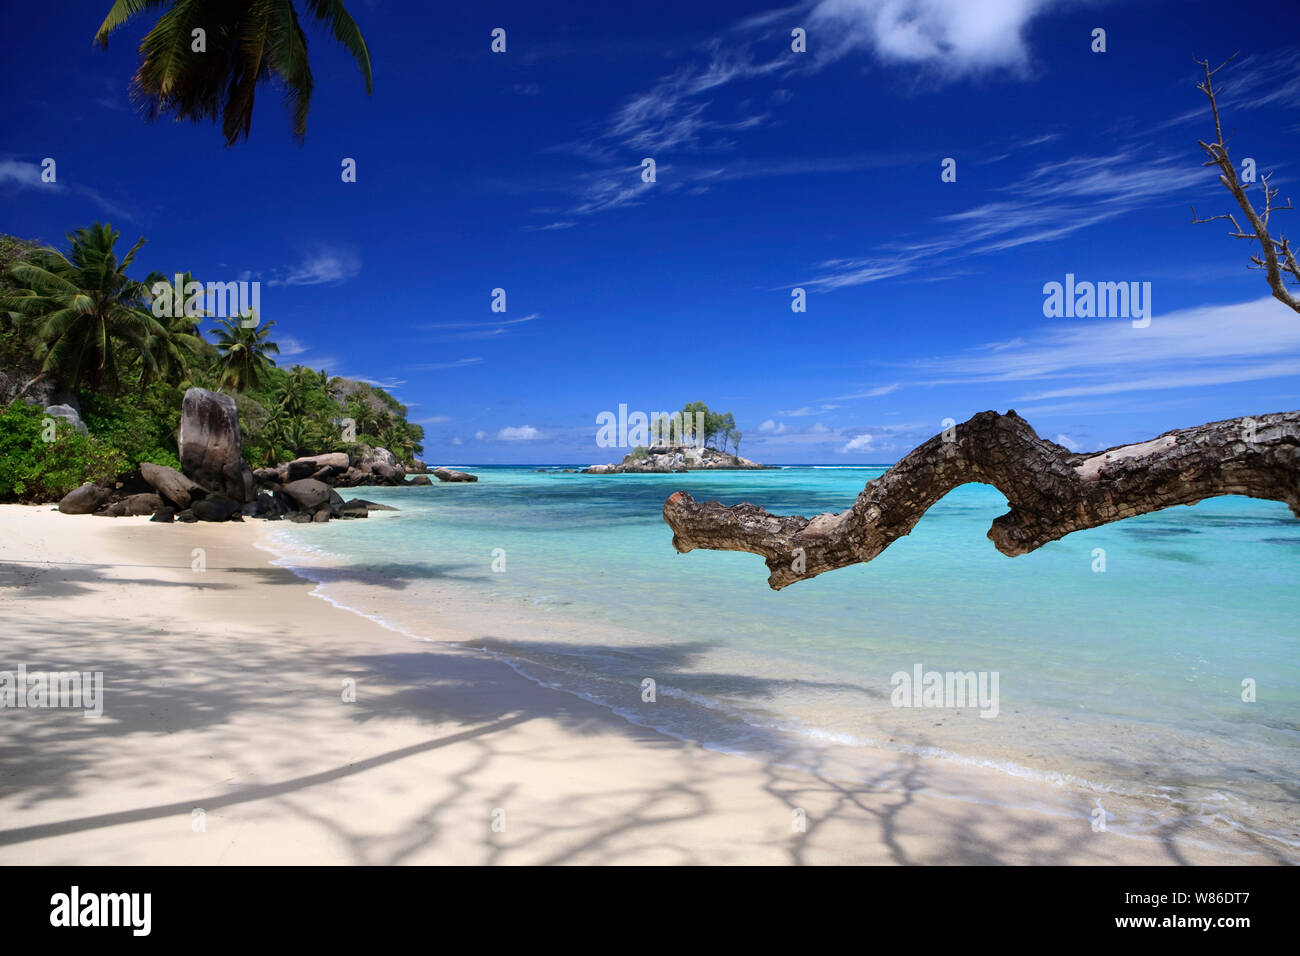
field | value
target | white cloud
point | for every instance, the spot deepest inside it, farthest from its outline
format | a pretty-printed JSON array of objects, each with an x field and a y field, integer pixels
[
  {"x": 770, "y": 427},
  {"x": 1051, "y": 201},
  {"x": 1206, "y": 345},
  {"x": 807, "y": 411},
  {"x": 859, "y": 443},
  {"x": 1067, "y": 442},
  {"x": 22, "y": 174},
  {"x": 289, "y": 345},
  {"x": 869, "y": 393},
  {"x": 440, "y": 366},
  {"x": 388, "y": 384},
  {"x": 26, "y": 175},
  {"x": 481, "y": 436},
  {"x": 322, "y": 267},
  {"x": 947, "y": 39},
  {"x": 474, "y": 330},
  {"x": 817, "y": 434},
  {"x": 952, "y": 37},
  {"x": 445, "y": 326},
  {"x": 519, "y": 433}
]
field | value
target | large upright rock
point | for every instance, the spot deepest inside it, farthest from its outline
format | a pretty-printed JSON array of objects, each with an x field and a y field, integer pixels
[{"x": 210, "y": 444}]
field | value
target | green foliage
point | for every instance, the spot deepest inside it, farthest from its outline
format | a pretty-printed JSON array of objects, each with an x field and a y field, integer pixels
[
  {"x": 85, "y": 315},
  {"x": 717, "y": 425},
  {"x": 56, "y": 320},
  {"x": 33, "y": 469},
  {"x": 142, "y": 427},
  {"x": 638, "y": 453},
  {"x": 249, "y": 42},
  {"x": 245, "y": 353}
]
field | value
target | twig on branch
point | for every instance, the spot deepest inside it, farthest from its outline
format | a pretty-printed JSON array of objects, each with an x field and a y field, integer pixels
[
  {"x": 1051, "y": 490},
  {"x": 1279, "y": 260}
]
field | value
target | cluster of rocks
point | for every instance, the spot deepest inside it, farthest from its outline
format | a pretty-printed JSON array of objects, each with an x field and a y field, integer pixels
[
  {"x": 216, "y": 484},
  {"x": 378, "y": 466},
  {"x": 658, "y": 459}
]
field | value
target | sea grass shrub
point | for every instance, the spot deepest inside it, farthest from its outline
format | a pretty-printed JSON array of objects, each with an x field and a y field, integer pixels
[{"x": 33, "y": 469}]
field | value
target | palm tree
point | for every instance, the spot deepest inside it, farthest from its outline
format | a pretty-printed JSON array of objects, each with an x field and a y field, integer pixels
[
  {"x": 175, "y": 352},
  {"x": 272, "y": 432},
  {"x": 330, "y": 386},
  {"x": 397, "y": 440},
  {"x": 293, "y": 393},
  {"x": 245, "y": 352},
  {"x": 300, "y": 437},
  {"x": 84, "y": 307},
  {"x": 247, "y": 42},
  {"x": 364, "y": 415}
]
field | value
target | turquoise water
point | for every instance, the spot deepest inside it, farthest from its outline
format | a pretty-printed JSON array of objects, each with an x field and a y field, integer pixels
[{"x": 1126, "y": 682}]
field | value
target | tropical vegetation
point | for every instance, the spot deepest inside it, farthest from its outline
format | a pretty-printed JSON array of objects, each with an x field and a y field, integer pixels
[{"x": 75, "y": 323}]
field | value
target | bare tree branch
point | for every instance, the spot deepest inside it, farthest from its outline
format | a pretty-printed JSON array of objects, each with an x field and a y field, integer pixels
[
  {"x": 1052, "y": 491},
  {"x": 1279, "y": 259}
]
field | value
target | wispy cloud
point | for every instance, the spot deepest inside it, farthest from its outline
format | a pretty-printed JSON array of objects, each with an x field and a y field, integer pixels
[
  {"x": 807, "y": 410},
  {"x": 683, "y": 113},
  {"x": 1052, "y": 201},
  {"x": 441, "y": 366},
  {"x": 1208, "y": 345},
  {"x": 875, "y": 392},
  {"x": 469, "y": 331},
  {"x": 1256, "y": 81},
  {"x": 388, "y": 384},
  {"x": 21, "y": 174},
  {"x": 324, "y": 266}
]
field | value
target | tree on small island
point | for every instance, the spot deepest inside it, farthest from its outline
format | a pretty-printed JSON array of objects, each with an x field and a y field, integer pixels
[{"x": 712, "y": 425}]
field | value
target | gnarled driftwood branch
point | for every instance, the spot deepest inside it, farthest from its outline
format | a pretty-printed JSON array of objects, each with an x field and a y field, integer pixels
[{"x": 1052, "y": 490}]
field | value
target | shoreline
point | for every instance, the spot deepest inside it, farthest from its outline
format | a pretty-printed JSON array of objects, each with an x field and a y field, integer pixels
[{"x": 440, "y": 737}]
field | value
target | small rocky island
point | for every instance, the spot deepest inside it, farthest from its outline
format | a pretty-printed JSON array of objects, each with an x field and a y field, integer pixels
[
  {"x": 215, "y": 483},
  {"x": 657, "y": 459},
  {"x": 666, "y": 442}
]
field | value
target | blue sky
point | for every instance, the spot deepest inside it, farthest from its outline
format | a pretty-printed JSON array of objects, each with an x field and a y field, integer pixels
[{"x": 774, "y": 170}]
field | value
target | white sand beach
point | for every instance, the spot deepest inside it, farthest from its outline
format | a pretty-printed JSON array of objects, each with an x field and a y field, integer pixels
[{"x": 223, "y": 693}]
